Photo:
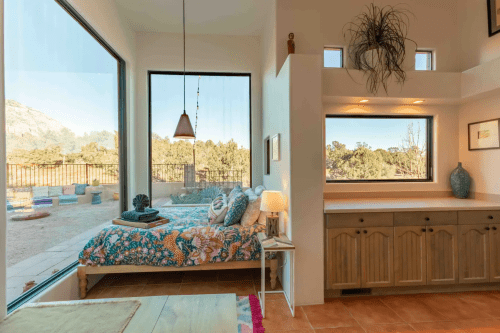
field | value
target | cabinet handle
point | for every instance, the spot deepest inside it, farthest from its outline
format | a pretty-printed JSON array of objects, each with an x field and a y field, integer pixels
[
  {"x": 423, "y": 229},
  {"x": 358, "y": 232},
  {"x": 490, "y": 217},
  {"x": 431, "y": 230},
  {"x": 427, "y": 219},
  {"x": 494, "y": 228},
  {"x": 361, "y": 220},
  {"x": 365, "y": 232},
  {"x": 487, "y": 228}
]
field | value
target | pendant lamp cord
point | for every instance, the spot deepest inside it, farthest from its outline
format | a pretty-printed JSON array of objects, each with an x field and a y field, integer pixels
[{"x": 184, "y": 39}]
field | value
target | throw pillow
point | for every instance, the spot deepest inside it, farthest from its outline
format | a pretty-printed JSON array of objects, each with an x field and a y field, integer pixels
[
  {"x": 262, "y": 218},
  {"x": 235, "y": 190},
  {"x": 237, "y": 206},
  {"x": 259, "y": 189},
  {"x": 80, "y": 188},
  {"x": 68, "y": 189},
  {"x": 40, "y": 191},
  {"x": 253, "y": 209},
  {"x": 55, "y": 191},
  {"x": 218, "y": 209}
]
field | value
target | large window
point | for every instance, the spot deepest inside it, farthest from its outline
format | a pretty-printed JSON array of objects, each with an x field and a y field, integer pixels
[
  {"x": 378, "y": 148},
  {"x": 218, "y": 106},
  {"x": 65, "y": 116}
]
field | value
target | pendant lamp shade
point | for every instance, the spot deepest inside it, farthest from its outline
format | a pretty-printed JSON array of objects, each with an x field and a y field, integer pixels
[{"x": 184, "y": 129}]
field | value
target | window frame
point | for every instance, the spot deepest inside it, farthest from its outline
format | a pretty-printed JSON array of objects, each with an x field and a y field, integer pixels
[
  {"x": 150, "y": 120},
  {"x": 431, "y": 52},
  {"x": 122, "y": 141},
  {"x": 342, "y": 56},
  {"x": 430, "y": 150}
]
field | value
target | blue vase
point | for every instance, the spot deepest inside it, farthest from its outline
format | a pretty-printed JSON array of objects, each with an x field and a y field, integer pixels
[{"x": 460, "y": 182}]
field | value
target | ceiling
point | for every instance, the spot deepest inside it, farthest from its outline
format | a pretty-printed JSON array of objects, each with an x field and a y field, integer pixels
[{"x": 220, "y": 17}]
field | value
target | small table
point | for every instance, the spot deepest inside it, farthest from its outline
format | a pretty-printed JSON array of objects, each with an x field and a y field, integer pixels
[
  {"x": 284, "y": 246},
  {"x": 96, "y": 197}
]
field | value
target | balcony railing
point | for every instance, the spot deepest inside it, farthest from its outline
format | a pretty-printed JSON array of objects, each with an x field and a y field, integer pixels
[{"x": 28, "y": 175}]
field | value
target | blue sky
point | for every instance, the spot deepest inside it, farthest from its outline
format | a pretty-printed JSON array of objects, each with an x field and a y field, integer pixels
[{"x": 377, "y": 133}]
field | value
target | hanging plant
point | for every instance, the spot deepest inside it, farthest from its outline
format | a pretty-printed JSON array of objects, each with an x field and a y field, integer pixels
[{"x": 377, "y": 44}]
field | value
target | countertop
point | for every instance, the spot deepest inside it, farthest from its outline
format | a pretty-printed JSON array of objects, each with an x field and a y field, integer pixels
[{"x": 406, "y": 205}]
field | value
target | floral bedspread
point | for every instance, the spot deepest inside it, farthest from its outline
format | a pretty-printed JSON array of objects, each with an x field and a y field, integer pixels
[{"x": 187, "y": 240}]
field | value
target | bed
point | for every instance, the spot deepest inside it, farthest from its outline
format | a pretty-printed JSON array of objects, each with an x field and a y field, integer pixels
[{"x": 187, "y": 242}]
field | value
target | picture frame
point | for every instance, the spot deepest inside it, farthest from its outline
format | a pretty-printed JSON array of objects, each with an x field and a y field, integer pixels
[
  {"x": 267, "y": 150},
  {"x": 484, "y": 135},
  {"x": 493, "y": 17},
  {"x": 276, "y": 147}
]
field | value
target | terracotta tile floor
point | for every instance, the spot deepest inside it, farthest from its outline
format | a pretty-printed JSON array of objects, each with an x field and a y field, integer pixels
[{"x": 474, "y": 312}]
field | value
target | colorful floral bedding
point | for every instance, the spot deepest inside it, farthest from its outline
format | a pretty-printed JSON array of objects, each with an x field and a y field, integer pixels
[{"x": 187, "y": 240}]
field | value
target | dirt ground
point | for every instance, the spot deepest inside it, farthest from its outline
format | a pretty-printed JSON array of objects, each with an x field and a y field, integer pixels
[{"x": 28, "y": 238}]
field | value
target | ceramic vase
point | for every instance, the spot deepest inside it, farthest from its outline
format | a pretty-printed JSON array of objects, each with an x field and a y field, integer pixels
[{"x": 460, "y": 182}]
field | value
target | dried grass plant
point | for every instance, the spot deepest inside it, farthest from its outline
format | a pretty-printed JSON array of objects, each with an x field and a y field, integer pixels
[{"x": 384, "y": 31}]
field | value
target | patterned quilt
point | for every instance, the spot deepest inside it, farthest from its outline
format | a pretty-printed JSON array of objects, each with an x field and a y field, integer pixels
[{"x": 187, "y": 240}]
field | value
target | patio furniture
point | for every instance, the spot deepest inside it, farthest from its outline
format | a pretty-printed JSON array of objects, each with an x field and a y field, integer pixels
[
  {"x": 41, "y": 202},
  {"x": 96, "y": 197},
  {"x": 68, "y": 199}
]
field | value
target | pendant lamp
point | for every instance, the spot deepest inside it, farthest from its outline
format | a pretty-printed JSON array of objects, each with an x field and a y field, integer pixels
[{"x": 184, "y": 128}]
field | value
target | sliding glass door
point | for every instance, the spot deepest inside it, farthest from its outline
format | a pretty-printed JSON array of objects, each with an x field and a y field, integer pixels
[
  {"x": 65, "y": 128},
  {"x": 218, "y": 105}
]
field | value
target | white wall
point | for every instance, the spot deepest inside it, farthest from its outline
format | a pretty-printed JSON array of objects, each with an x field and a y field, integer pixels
[
  {"x": 208, "y": 53},
  {"x": 103, "y": 16},
  {"x": 3, "y": 216},
  {"x": 317, "y": 23},
  {"x": 445, "y": 146},
  {"x": 483, "y": 165}
]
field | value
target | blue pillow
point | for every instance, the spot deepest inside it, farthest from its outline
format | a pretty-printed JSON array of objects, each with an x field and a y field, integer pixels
[
  {"x": 237, "y": 206},
  {"x": 234, "y": 191},
  {"x": 80, "y": 188}
]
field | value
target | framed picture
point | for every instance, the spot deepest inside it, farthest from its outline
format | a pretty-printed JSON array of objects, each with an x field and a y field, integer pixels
[
  {"x": 276, "y": 147},
  {"x": 493, "y": 17},
  {"x": 484, "y": 135}
]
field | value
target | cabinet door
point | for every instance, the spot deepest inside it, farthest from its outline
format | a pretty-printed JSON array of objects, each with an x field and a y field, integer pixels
[
  {"x": 377, "y": 246},
  {"x": 410, "y": 261},
  {"x": 474, "y": 253},
  {"x": 343, "y": 258},
  {"x": 495, "y": 252},
  {"x": 442, "y": 254}
]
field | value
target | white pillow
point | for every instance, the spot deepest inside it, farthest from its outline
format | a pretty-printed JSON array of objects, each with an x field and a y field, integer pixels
[
  {"x": 262, "y": 218},
  {"x": 55, "y": 191},
  {"x": 253, "y": 209},
  {"x": 218, "y": 209},
  {"x": 259, "y": 189},
  {"x": 40, "y": 191}
]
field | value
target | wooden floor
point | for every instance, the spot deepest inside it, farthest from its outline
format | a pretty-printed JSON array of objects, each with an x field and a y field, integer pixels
[{"x": 477, "y": 312}]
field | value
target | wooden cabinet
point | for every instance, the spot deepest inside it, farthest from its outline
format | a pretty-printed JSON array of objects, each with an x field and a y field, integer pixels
[
  {"x": 474, "y": 253},
  {"x": 410, "y": 259},
  {"x": 377, "y": 257},
  {"x": 494, "y": 252},
  {"x": 343, "y": 258},
  {"x": 442, "y": 254}
]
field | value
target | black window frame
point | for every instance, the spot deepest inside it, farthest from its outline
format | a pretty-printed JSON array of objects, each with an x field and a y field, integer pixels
[
  {"x": 430, "y": 150},
  {"x": 431, "y": 52},
  {"x": 341, "y": 49},
  {"x": 150, "y": 120},
  {"x": 122, "y": 141}
]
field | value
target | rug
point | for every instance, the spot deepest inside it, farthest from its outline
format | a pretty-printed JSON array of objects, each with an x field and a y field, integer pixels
[
  {"x": 106, "y": 317},
  {"x": 249, "y": 314}
]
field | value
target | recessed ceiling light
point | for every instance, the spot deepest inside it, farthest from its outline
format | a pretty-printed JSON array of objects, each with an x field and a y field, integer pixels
[
  {"x": 364, "y": 101},
  {"x": 418, "y": 102}
]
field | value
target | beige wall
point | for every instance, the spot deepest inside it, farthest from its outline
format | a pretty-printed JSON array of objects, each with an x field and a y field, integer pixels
[
  {"x": 483, "y": 165},
  {"x": 209, "y": 53},
  {"x": 317, "y": 23},
  {"x": 445, "y": 146}
]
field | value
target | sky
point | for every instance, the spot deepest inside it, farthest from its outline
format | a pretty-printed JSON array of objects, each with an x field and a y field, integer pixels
[
  {"x": 377, "y": 133},
  {"x": 53, "y": 65}
]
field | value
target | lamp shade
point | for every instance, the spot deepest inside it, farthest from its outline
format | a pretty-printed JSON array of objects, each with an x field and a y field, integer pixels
[
  {"x": 272, "y": 201},
  {"x": 184, "y": 129}
]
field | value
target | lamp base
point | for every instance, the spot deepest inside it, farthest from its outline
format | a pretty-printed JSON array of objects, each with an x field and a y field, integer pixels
[{"x": 272, "y": 226}]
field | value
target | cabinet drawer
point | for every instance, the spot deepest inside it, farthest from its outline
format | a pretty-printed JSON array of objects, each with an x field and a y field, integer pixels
[
  {"x": 425, "y": 218},
  {"x": 359, "y": 220},
  {"x": 479, "y": 216}
]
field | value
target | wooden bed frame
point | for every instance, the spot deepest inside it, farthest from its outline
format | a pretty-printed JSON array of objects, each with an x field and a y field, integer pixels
[{"x": 83, "y": 271}]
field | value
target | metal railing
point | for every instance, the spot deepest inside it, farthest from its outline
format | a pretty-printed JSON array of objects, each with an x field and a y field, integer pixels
[{"x": 167, "y": 173}]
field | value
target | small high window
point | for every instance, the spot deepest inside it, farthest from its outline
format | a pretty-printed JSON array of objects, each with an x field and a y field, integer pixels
[
  {"x": 334, "y": 57},
  {"x": 423, "y": 61}
]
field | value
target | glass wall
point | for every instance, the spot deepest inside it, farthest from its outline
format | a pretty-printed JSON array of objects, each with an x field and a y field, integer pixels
[
  {"x": 62, "y": 140},
  {"x": 220, "y": 156}
]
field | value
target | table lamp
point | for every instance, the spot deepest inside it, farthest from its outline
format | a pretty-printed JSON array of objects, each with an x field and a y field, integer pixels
[{"x": 272, "y": 201}]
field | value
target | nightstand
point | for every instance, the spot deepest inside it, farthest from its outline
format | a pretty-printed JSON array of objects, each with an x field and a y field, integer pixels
[{"x": 286, "y": 246}]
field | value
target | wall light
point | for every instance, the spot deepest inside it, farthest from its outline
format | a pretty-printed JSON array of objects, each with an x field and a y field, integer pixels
[
  {"x": 418, "y": 102},
  {"x": 364, "y": 101}
]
